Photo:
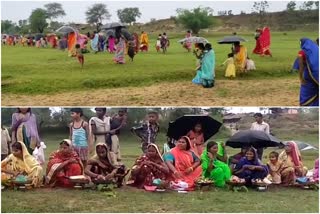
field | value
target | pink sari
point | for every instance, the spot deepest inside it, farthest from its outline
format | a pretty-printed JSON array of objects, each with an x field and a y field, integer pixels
[
  {"x": 183, "y": 161},
  {"x": 111, "y": 42}
]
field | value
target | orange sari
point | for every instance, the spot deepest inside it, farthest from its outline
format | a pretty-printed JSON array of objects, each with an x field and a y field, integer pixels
[
  {"x": 197, "y": 142},
  {"x": 184, "y": 160}
]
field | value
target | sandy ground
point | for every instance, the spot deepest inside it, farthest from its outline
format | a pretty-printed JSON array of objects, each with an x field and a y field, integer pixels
[{"x": 276, "y": 92}]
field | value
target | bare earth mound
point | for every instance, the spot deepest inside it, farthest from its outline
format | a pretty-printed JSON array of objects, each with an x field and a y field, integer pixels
[{"x": 225, "y": 93}]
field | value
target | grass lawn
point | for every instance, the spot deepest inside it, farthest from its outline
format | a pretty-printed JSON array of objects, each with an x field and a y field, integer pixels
[
  {"x": 132, "y": 200},
  {"x": 36, "y": 72}
]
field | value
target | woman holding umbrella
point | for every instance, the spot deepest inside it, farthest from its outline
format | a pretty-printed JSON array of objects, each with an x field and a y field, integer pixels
[{"x": 240, "y": 56}]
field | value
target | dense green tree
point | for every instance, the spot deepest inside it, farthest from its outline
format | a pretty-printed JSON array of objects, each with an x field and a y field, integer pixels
[
  {"x": 195, "y": 19},
  {"x": 38, "y": 21},
  {"x": 129, "y": 15},
  {"x": 96, "y": 14}
]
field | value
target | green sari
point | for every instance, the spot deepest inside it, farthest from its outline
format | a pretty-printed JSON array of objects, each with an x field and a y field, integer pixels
[{"x": 219, "y": 174}]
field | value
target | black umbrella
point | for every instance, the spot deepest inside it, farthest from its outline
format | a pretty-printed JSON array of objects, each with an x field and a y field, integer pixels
[
  {"x": 231, "y": 40},
  {"x": 127, "y": 35},
  {"x": 112, "y": 25},
  {"x": 184, "y": 124},
  {"x": 257, "y": 139}
]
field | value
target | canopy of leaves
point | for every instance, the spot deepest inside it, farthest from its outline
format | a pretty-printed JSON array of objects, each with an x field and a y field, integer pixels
[
  {"x": 195, "y": 19},
  {"x": 54, "y": 10},
  {"x": 291, "y": 6},
  {"x": 38, "y": 21},
  {"x": 96, "y": 14},
  {"x": 7, "y": 26},
  {"x": 129, "y": 15}
]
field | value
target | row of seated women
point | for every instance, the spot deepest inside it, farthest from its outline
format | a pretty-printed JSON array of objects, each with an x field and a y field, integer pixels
[{"x": 177, "y": 169}]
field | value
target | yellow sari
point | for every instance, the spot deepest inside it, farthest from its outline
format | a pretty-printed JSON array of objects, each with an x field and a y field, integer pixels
[
  {"x": 28, "y": 165},
  {"x": 144, "y": 39},
  {"x": 240, "y": 59}
]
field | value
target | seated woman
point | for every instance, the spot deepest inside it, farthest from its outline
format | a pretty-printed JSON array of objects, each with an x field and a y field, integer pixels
[
  {"x": 147, "y": 168},
  {"x": 100, "y": 170},
  {"x": 183, "y": 163},
  {"x": 292, "y": 165},
  {"x": 316, "y": 171},
  {"x": 20, "y": 162},
  {"x": 250, "y": 167},
  {"x": 233, "y": 160},
  {"x": 213, "y": 168},
  {"x": 62, "y": 164}
]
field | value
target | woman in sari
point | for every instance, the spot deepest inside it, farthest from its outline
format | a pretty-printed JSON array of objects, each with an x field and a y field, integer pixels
[
  {"x": 144, "y": 41},
  {"x": 250, "y": 167},
  {"x": 292, "y": 165},
  {"x": 263, "y": 40},
  {"x": 183, "y": 164},
  {"x": 197, "y": 139},
  {"x": 20, "y": 162},
  {"x": 188, "y": 45},
  {"x": 212, "y": 168},
  {"x": 62, "y": 164},
  {"x": 120, "y": 51},
  {"x": 95, "y": 42},
  {"x": 136, "y": 42},
  {"x": 101, "y": 170},
  {"x": 240, "y": 57},
  {"x": 308, "y": 60},
  {"x": 72, "y": 41},
  {"x": 147, "y": 168},
  {"x": 24, "y": 128},
  {"x": 111, "y": 44},
  {"x": 205, "y": 73}
]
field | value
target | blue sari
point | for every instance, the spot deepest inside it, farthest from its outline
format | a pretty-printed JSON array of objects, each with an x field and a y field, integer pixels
[
  {"x": 247, "y": 174},
  {"x": 94, "y": 43},
  {"x": 205, "y": 76},
  {"x": 309, "y": 92}
]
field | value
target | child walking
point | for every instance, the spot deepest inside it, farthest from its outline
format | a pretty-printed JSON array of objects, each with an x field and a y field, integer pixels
[
  {"x": 79, "y": 134},
  {"x": 79, "y": 55},
  {"x": 274, "y": 166},
  {"x": 231, "y": 68},
  {"x": 250, "y": 66}
]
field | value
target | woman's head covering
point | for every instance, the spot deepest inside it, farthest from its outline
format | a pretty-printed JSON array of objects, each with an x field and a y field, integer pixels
[
  {"x": 188, "y": 142},
  {"x": 157, "y": 149},
  {"x": 29, "y": 160},
  {"x": 311, "y": 50},
  {"x": 256, "y": 160},
  {"x": 67, "y": 141},
  {"x": 96, "y": 157},
  {"x": 295, "y": 153}
]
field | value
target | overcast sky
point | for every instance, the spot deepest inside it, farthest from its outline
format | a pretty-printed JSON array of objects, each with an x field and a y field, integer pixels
[{"x": 75, "y": 10}]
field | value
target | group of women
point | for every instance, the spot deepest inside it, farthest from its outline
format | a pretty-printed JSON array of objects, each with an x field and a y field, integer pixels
[{"x": 178, "y": 169}]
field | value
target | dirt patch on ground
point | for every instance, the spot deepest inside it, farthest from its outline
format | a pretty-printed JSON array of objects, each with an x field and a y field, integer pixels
[{"x": 279, "y": 92}]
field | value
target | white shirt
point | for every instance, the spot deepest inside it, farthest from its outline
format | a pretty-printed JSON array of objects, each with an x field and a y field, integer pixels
[{"x": 261, "y": 127}]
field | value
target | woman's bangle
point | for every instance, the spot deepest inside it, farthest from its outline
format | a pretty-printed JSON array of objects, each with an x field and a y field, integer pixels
[{"x": 191, "y": 168}]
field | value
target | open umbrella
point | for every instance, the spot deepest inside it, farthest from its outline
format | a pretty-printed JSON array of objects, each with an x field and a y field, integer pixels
[
  {"x": 123, "y": 31},
  {"x": 184, "y": 124},
  {"x": 112, "y": 25},
  {"x": 194, "y": 39},
  {"x": 253, "y": 138},
  {"x": 231, "y": 40},
  {"x": 66, "y": 29},
  {"x": 303, "y": 146}
]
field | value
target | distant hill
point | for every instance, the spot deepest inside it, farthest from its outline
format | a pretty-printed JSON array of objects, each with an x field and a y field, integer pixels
[{"x": 278, "y": 21}]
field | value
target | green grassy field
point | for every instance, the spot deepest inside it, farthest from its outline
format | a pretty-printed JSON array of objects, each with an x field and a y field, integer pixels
[
  {"x": 44, "y": 71},
  {"x": 132, "y": 200}
]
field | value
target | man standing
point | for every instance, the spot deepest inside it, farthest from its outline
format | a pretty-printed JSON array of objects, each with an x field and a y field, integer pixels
[
  {"x": 260, "y": 125},
  {"x": 99, "y": 128},
  {"x": 148, "y": 131},
  {"x": 118, "y": 121}
]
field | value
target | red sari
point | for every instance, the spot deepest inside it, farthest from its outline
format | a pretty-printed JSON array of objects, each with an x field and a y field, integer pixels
[
  {"x": 59, "y": 178},
  {"x": 263, "y": 42}
]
